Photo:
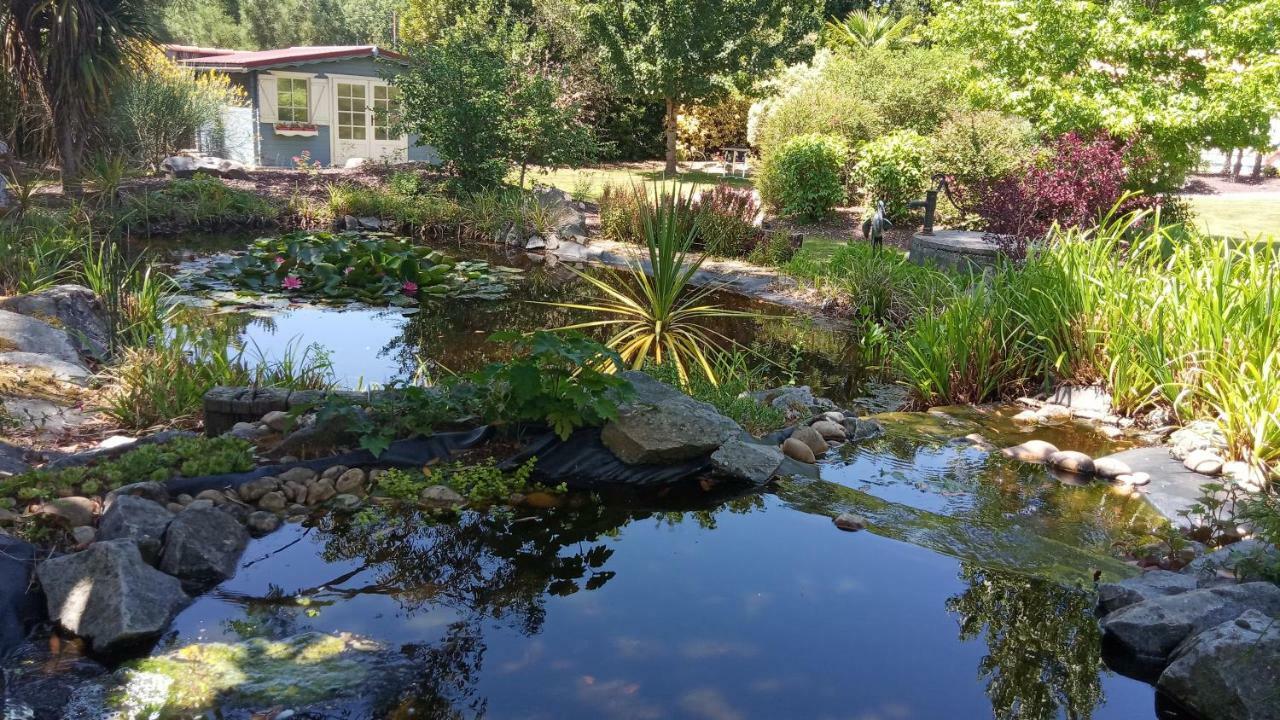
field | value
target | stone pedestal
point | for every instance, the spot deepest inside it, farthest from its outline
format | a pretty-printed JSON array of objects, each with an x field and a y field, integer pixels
[{"x": 963, "y": 250}]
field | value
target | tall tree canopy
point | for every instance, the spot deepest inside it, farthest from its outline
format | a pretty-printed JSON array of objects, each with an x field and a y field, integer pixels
[
  {"x": 262, "y": 24},
  {"x": 1176, "y": 75},
  {"x": 681, "y": 51}
]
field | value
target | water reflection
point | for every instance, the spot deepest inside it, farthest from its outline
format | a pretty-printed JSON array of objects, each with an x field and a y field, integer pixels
[{"x": 1043, "y": 645}]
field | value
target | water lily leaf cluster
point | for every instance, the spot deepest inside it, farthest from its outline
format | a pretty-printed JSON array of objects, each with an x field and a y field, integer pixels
[{"x": 373, "y": 268}]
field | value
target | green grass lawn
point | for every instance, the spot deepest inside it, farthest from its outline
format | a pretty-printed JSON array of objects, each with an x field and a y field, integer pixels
[
  {"x": 1237, "y": 216},
  {"x": 591, "y": 181}
]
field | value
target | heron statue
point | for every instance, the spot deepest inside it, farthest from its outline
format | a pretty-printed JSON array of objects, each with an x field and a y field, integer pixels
[{"x": 873, "y": 227}]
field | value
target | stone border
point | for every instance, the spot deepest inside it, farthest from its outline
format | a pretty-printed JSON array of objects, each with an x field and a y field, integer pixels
[{"x": 954, "y": 249}]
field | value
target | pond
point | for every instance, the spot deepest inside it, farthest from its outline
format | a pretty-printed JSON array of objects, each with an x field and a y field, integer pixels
[{"x": 968, "y": 597}]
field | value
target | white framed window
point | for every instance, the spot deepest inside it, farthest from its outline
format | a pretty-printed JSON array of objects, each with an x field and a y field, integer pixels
[
  {"x": 292, "y": 101},
  {"x": 352, "y": 106},
  {"x": 386, "y": 103}
]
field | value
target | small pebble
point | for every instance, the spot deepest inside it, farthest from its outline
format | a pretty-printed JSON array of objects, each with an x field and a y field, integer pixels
[{"x": 850, "y": 522}]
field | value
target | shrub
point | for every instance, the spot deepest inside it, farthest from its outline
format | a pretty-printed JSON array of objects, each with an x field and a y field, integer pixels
[
  {"x": 893, "y": 168},
  {"x": 1074, "y": 186},
  {"x": 775, "y": 248},
  {"x": 859, "y": 98},
  {"x": 974, "y": 149},
  {"x": 725, "y": 217},
  {"x": 805, "y": 176},
  {"x": 162, "y": 106},
  {"x": 881, "y": 284},
  {"x": 417, "y": 209},
  {"x": 620, "y": 213},
  {"x": 565, "y": 381},
  {"x": 703, "y": 130}
]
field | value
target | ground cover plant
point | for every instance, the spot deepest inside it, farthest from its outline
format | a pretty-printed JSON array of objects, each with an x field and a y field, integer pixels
[
  {"x": 202, "y": 201},
  {"x": 181, "y": 457},
  {"x": 376, "y": 269}
]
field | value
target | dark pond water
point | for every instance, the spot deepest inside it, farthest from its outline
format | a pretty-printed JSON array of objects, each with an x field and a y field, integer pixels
[
  {"x": 373, "y": 346},
  {"x": 968, "y": 597}
]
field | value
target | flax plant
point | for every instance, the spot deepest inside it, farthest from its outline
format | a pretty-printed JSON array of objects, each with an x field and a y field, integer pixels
[{"x": 654, "y": 310}]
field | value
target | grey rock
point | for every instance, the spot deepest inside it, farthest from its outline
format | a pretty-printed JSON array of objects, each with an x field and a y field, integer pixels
[
  {"x": 138, "y": 520},
  {"x": 441, "y": 495},
  {"x": 76, "y": 310},
  {"x": 1205, "y": 462},
  {"x": 793, "y": 397},
  {"x": 153, "y": 491},
  {"x": 201, "y": 504},
  {"x": 862, "y": 429},
  {"x": 346, "y": 503},
  {"x": 72, "y": 511},
  {"x": 1151, "y": 630},
  {"x": 369, "y": 222},
  {"x": 1110, "y": 468},
  {"x": 8, "y": 517},
  {"x": 1031, "y": 451},
  {"x": 73, "y": 372},
  {"x": 661, "y": 424},
  {"x": 29, "y": 335},
  {"x": 202, "y": 547},
  {"x": 1152, "y": 584},
  {"x": 83, "y": 535},
  {"x": 746, "y": 460},
  {"x": 850, "y": 522},
  {"x": 1071, "y": 461},
  {"x": 253, "y": 490},
  {"x": 834, "y": 416},
  {"x": 217, "y": 497},
  {"x": 350, "y": 482},
  {"x": 829, "y": 430},
  {"x": 811, "y": 438},
  {"x": 1227, "y": 560},
  {"x": 261, "y": 523},
  {"x": 1198, "y": 435},
  {"x": 797, "y": 450},
  {"x": 320, "y": 491},
  {"x": 297, "y": 475},
  {"x": 1083, "y": 397},
  {"x": 535, "y": 243},
  {"x": 274, "y": 501},
  {"x": 109, "y": 596},
  {"x": 184, "y": 166},
  {"x": 333, "y": 473},
  {"x": 248, "y": 431},
  {"x": 1229, "y": 671},
  {"x": 1053, "y": 414},
  {"x": 12, "y": 460}
]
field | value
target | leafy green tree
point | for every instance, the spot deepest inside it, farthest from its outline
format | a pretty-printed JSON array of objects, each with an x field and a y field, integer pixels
[
  {"x": 68, "y": 55},
  {"x": 484, "y": 98},
  {"x": 1175, "y": 76},
  {"x": 681, "y": 51}
]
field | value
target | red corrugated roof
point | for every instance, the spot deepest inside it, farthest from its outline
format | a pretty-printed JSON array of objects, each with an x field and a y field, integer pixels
[{"x": 250, "y": 59}]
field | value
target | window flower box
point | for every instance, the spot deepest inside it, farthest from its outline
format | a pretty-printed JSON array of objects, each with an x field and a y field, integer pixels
[{"x": 294, "y": 129}]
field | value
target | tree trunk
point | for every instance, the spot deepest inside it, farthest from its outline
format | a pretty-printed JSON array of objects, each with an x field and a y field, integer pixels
[
  {"x": 671, "y": 137},
  {"x": 1226, "y": 164},
  {"x": 1257, "y": 165},
  {"x": 1235, "y": 170},
  {"x": 69, "y": 156}
]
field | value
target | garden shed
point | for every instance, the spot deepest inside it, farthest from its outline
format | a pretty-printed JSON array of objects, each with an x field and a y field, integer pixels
[{"x": 333, "y": 103}]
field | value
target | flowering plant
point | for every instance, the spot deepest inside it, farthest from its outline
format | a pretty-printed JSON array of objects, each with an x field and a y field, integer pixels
[{"x": 303, "y": 162}]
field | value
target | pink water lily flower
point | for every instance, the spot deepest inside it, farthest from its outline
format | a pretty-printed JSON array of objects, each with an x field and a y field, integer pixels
[
  {"x": 292, "y": 283},
  {"x": 348, "y": 270},
  {"x": 279, "y": 259},
  {"x": 410, "y": 288}
]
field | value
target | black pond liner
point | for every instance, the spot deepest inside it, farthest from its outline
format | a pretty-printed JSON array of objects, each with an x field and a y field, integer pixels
[{"x": 581, "y": 461}]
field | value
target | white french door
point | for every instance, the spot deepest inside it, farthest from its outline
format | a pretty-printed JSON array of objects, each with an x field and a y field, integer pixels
[{"x": 363, "y": 111}]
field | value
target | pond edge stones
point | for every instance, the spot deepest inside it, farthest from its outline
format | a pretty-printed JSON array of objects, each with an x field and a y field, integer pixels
[
  {"x": 663, "y": 425},
  {"x": 202, "y": 546},
  {"x": 109, "y": 595}
]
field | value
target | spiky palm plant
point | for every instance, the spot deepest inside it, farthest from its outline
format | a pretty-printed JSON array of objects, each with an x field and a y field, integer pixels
[
  {"x": 654, "y": 309},
  {"x": 66, "y": 55},
  {"x": 867, "y": 29}
]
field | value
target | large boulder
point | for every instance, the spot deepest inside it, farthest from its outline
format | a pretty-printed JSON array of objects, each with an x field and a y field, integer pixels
[
  {"x": 183, "y": 166},
  {"x": 74, "y": 308},
  {"x": 1131, "y": 591},
  {"x": 138, "y": 520},
  {"x": 1225, "y": 563},
  {"x": 663, "y": 425},
  {"x": 1229, "y": 671},
  {"x": 108, "y": 595},
  {"x": 20, "y": 333},
  {"x": 202, "y": 546},
  {"x": 1149, "y": 631},
  {"x": 746, "y": 460}
]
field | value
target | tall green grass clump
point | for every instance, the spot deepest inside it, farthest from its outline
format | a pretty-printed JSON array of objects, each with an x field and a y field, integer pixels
[
  {"x": 201, "y": 201},
  {"x": 1165, "y": 318},
  {"x": 880, "y": 284}
]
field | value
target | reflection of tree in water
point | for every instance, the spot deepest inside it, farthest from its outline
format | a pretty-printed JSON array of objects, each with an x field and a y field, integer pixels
[
  {"x": 486, "y": 567},
  {"x": 1043, "y": 644}
]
